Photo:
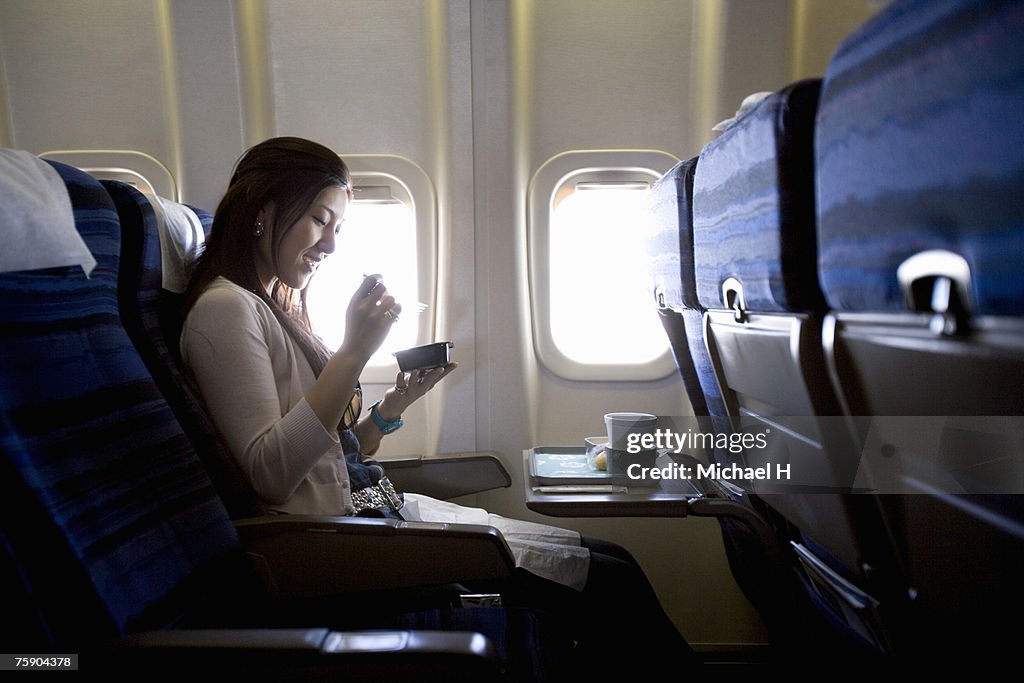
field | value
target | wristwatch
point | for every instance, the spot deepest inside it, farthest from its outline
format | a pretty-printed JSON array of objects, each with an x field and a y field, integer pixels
[{"x": 383, "y": 425}]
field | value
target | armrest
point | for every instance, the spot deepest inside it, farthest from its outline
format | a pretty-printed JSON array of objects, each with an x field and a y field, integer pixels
[
  {"x": 449, "y": 475},
  {"x": 306, "y": 654},
  {"x": 304, "y": 555}
]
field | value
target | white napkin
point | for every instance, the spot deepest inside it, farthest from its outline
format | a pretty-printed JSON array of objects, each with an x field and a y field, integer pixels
[
  {"x": 749, "y": 102},
  {"x": 181, "y": 241},
  {"x": 37, "y": 225},
  {"x": 547, "y": 551}
]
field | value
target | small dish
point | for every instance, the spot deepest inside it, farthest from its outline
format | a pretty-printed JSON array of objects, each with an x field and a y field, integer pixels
[{"x": 424, "y": 357}]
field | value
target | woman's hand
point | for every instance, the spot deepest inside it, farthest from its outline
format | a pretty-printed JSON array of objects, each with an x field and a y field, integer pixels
[
  {"x": 370, "y": 315},
  {"x": 409, "y": 388}
]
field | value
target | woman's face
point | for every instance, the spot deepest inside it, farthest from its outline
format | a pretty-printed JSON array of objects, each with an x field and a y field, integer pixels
[{"x": 308, "y": 242}]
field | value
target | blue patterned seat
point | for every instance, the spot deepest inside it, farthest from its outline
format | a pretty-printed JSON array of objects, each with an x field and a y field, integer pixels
[
  {"x": 152, "y": 318},
  {"x": 920, "y": 157},
  {"x": 753, "y": 208},
  {"x": 751, "y": 552},
  {"x": 755, "y": 257},
  {"x": 96, "y": 464},
  {"x": 671, "y": 254}
]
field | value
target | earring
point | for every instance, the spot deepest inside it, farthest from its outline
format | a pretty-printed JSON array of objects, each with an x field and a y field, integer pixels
[{"x": 257, "y": 229}]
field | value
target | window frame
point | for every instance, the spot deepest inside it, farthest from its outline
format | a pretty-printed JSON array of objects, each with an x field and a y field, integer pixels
[
  {"x": 548, "y": 186},
  {"x": 138, "y": 169}
]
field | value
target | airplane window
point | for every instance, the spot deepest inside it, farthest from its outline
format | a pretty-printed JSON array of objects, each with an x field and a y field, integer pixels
[
  {"x": 378, "y": 236},
  {"x": 601, "y": 310},
  {"x": 594, "y": 315}
]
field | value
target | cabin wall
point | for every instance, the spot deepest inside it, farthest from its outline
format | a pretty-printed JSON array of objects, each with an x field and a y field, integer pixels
[{"x": 478, "y": 93}]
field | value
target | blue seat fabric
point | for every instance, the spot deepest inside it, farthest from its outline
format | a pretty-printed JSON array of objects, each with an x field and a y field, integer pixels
[
  {"x": 754, "y": 178},
  {"x": 107, "y": 470},
  {"x": 152, "y": 318},
  {"x": 919, "y": 146}
]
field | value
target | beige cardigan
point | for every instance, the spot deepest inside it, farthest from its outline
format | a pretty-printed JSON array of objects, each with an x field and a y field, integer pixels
[{"x": 253, "y": 379}]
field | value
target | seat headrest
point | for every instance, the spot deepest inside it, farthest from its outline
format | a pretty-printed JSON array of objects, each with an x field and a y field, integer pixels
[
  {"x": 671, "y": 245},
  {"x": 37, "y": 223},
  {"x": 753, "y": 206},
  {"x": 182, "y": 239},
  {"x": 920, "y": 147}
]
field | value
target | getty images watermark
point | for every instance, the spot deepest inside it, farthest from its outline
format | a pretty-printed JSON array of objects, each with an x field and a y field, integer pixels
[
  {"x": 833, "y": 454},
  {"x": 667, "y": 440}
]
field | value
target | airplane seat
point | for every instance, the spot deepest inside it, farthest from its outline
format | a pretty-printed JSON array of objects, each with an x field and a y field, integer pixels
[
  {"x": 670, "y": 251},
  {"x": 78, "y": 413},
  {"x": 670, "y": 248},
  {"x": 920, "y": 165},
  {"x": 756, "y": 276},
  {"x": 119, "y": 543},
  {"x": 753, "y": 556},
  {"x": 151, "y": 315}
]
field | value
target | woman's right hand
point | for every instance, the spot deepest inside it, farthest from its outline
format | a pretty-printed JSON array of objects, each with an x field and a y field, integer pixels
[{"x": 370, "y": 315}]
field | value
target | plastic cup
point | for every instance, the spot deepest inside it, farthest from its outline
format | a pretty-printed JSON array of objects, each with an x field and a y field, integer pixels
[{"x": 621, "y": 426}]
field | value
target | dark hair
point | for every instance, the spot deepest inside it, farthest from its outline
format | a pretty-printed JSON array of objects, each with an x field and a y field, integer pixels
[{"x": 288, "y": 173}]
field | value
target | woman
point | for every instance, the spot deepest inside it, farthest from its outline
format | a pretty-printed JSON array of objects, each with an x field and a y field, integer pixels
[{"x": 290, "y": 410}]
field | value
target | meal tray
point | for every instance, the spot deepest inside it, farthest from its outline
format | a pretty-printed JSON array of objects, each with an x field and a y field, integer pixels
[{"x": 567, "y": 465}]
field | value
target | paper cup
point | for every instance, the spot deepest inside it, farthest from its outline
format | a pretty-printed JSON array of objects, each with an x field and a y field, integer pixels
[{"x": 621, "y": 426}]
